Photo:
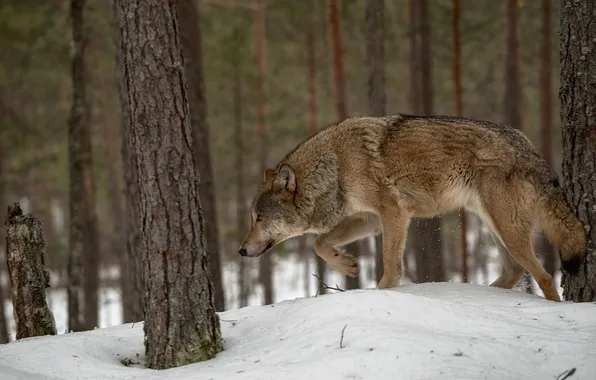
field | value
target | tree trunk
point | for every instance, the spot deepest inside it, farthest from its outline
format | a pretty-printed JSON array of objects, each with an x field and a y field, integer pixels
[
  {"x": 3, "y": 187},
  {"x": 459, "y": 110},
  {"x": 190, "y": 32},
  {"x": 311, "y": 58},
  {"x": 375, "y": 54},
  {"x": 340, "y": 96},
  {"x": 578, "y": 101},
  {"x": 76, "y": 128},
  {"x": 241, "y": 209},
  {"x": 265, "y": 266},
  {"x": 177, "y": 273},
  {"x": 25, "y": 250},
  {"x": 546, "y": 117},
  {"x": 131, "y": 263},
  {"x": 512, "y": 102},
  {"x": 91, "y": 254},
  {"x": 428, "y": 248}
]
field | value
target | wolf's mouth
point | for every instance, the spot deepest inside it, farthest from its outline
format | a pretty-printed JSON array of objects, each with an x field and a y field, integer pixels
[{"x": 269, "y": 245}]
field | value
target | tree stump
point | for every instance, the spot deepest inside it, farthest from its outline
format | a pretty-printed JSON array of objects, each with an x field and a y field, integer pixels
[{"x": 25, "y": 251}]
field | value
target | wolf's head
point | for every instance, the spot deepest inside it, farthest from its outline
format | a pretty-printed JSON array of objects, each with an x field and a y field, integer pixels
[{"x": 273, "y": 213}]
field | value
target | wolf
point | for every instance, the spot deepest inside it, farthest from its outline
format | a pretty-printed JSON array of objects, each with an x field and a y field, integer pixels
[{"x": 369, "y": 175}]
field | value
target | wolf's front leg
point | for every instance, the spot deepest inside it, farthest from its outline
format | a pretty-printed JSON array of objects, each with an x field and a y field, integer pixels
[
  {"x": 353, "y": 228},
  {"x": 395, "y": 226}
]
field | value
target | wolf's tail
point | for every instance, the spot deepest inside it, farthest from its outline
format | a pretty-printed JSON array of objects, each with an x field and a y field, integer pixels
[{"x": 561, "y": 226}]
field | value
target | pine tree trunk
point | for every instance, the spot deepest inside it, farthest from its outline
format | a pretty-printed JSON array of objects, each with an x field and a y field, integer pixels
[
  {"x": 76, "y": 128},
  {"x": 340, "y": 96},
  {"x": 91, "y": 254},
  {"x": 313, "y": 123},
  {"x": 177, "y": 273},
  {"x": 131, "y": 265},
  {"x": 3, "y": 187},
  {"x": 241, "y": 209},
  {"x": 265, "y": 265},
  {"x": 190, "y": 32},
  {"x": 512, "y": 102},
  {"x": 578, "y": 101},
  {"x": 459, "y": 109},
  {"x": 427, "y": 246},
  {"x": 25, "y": 250},
  {"x": 375, "y": 54},
  {"x": 546, "y": 116}
]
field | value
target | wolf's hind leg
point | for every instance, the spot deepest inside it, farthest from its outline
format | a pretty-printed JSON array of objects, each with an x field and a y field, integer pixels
[
  {"x": 353, "y": 228},
  {"x": 513, "y": 224}
]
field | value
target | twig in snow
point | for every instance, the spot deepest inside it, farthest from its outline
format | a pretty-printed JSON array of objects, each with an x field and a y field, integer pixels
[
  {"x": 323, "y": 285},
  {"x": 341, "y": 340},
  {"x": 566, "y": 374}
]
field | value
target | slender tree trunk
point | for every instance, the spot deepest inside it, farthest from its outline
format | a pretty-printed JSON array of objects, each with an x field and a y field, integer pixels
[
  {"x": 428, "y": 248},
  {"x": 26, "y": 250},
  {"x": 459, "y": 109},
  {"x": 414, "y": 57},
  {"x": 546, "y": 117},
  {"x": 313, "y": 122},
  {"x": 3, "y": 188},
  {"x": 177, "y": 269},
  {"x": 91, "y": 254},
  {"x": 578, "y": 101},
  {"x": 340, "y": 96},
  {"x": 375, "y": 54},
  {"x": 76, "y": 128},
  {"x": 512, "y": 101},
  {"x": 513, "y": 97},
  {"x": 265, "y": 265},
  {"x": 131, "y": 262},
  {"x": 190, "y": 31},
  {"x": 241, "y": 209}
]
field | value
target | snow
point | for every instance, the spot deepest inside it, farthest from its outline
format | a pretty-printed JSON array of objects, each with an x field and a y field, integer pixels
[{"x": 414, "y": 331}]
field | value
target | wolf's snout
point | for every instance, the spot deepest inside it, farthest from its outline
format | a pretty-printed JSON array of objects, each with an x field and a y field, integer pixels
[{"x": 242, "y": 251}]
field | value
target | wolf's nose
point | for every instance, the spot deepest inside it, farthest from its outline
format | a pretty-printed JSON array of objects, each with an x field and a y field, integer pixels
[{"x": 242, "y": 251}]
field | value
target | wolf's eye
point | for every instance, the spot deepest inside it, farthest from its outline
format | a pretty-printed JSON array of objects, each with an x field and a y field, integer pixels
[{"x": 259, "y": 218}]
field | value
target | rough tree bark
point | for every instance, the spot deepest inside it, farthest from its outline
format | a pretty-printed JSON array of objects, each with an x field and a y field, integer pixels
[
  {"x": 459, "y": 110},
  {"x": 131, "y": 262},
  {"x": 340, "y": 96},
  {"x": 265, "y": 265},
  {"x": 311, "y": 58},
  {"x": 578, "y": 102},
  {"x": 190, "y": 32},
  {"x": 25, "y": 250},
  {"x": 76, "y": 127},
  {"x": 181, "y": 325},
  {"x": 427, "y": 244},
  {"x": 375, "y": 55},
  {"x": 512, "y": 101},
  {"x": 546, "y": 117}
]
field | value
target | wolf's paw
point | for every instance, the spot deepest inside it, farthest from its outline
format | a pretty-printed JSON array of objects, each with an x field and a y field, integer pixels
[
  {"x": 345, "y": 263},
  {"x": 387, "y": 282}
]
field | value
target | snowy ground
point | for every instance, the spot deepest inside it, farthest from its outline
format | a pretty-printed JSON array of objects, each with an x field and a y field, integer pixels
[{"x": 425, "y": 331}]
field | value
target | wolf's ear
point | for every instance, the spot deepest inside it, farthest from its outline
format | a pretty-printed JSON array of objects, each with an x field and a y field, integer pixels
[
  {"x": 285, "y": 180},
  {"x": 269, "y": 173}
]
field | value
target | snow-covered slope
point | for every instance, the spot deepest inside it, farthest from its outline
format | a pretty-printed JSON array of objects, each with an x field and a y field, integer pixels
[{"x": 425, "y": 331}]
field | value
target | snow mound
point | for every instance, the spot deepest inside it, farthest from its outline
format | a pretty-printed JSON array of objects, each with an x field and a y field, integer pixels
[{"x": 424, "y": 331}]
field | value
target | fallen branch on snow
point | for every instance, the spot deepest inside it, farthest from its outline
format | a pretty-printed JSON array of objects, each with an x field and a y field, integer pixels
[
  {"x": 341, "y": 340},
  {"x": 323, "y": 285}
]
